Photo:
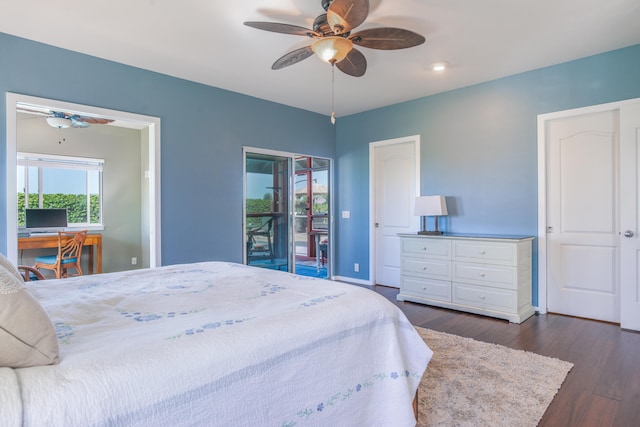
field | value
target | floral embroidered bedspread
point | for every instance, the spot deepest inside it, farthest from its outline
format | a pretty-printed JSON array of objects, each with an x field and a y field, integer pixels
[{"x": 220, "y": 344}]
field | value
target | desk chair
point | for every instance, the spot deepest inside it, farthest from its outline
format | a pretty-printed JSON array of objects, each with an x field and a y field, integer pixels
[
  {"x": 68, "y": 256},
  {"x": 29, "y": 273}
]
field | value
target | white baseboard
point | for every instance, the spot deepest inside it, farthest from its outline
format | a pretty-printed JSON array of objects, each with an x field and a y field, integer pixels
[{"x": 352, "y": 280}]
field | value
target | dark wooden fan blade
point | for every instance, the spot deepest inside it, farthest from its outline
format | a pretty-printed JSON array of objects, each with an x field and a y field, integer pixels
[
  {"x": 387, "y": 38},
  {"x": 345, "y": 15},
  {"x": 282, "y": 28},
  {"x": 354, "y": 64},
  {"x": 75, "y": 123},
  {"x": 292, "y": 57},
  {"x": 92, "y": 120}
]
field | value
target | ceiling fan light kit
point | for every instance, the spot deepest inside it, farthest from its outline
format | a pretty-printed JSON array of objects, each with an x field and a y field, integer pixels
[
  {"x": 59, "y": 122},
  {"x": 334, "y": 42},
  {"x": 332, "y": 49}
]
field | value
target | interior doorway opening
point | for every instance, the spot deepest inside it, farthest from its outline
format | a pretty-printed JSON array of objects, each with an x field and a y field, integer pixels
[{"x": 149, "y": 128}]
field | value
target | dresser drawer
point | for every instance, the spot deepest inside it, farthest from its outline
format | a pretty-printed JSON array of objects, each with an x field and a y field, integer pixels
[
  {"x": 502, "y": 253},
  {"x": 429, "y": 268},
  {"x": 485, "y": 297},
  {"x": 425, "y": 247},
  {"x": 425, "y": 288},
  {"x": 491, "y": 275}
]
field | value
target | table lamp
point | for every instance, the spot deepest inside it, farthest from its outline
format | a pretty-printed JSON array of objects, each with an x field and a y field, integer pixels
[{"x": 430, "y": 206}]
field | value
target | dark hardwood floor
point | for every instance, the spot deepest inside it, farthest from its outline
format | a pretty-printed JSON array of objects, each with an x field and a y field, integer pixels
[{"x": 602, "y": 389}]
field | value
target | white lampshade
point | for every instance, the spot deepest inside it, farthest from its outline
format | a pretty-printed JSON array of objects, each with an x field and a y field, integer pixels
[
  {"x": 332, "y": 49},
  {"x": 430, "y": 206},
  {"x": 59, "y": 122}
]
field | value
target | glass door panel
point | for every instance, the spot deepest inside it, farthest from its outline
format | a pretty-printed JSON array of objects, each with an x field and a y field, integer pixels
[
  {"x": 312, "y": 216},
  {"x": 267, "y": 220}
]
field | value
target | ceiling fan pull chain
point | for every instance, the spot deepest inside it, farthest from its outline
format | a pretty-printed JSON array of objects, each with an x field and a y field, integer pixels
[{"x": 333, "y": 93}]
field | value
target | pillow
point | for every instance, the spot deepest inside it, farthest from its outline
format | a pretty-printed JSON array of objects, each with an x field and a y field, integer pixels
[
  {"x": 4, "y": 262},
  {"x": 27, "y": 335}
]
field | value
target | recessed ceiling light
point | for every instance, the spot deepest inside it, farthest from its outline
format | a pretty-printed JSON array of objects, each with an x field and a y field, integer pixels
[{"x": 439, "y": 66}]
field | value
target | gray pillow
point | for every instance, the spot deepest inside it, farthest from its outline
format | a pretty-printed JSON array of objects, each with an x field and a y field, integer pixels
[
  {"x": 27, "y": 335},
  {"x": 4, "y": 262}
]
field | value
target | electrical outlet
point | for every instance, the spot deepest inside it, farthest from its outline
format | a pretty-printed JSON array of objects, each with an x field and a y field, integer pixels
[
  {"x": 356, "y": 267},
  {"x": 134, "y": 261}
]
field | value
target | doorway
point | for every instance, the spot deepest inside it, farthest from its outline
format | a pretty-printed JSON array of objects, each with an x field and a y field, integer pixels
[
  {"x": 287, "y": 205},
  {"x": 150, "y": 129},
  {"x": 588, "y": 210},
  {"x": 394, "y": 184}
]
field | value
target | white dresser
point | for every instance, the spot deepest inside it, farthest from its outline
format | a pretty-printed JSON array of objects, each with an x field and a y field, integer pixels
[{"x": 489, "y": 275}]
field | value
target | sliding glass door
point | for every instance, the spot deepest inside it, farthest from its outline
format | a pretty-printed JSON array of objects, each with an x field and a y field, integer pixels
[{"x": 287, "y": 216}]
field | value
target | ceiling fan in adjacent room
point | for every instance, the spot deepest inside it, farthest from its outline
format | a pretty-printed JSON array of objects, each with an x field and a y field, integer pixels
[
  {"x": 62, "y": 120},
  {"x": 333, "y": 40}
]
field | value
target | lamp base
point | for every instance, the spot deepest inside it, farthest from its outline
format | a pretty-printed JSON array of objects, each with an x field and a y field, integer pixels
[{"x": 430, "y": 233}]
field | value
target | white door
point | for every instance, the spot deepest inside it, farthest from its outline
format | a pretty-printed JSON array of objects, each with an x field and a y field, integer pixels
[
  {"x": 582, "y": 216},
  {"x": 629, "y": 221},
  {"x": 395, "y": 182},
  {"x": 590, "y": 207}
]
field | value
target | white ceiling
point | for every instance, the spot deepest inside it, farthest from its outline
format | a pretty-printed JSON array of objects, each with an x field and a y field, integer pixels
[{"x": 205, "y": 41}]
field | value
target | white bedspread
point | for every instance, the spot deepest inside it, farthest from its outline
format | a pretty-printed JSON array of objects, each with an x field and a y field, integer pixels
[{"x": 218, "y": 344}]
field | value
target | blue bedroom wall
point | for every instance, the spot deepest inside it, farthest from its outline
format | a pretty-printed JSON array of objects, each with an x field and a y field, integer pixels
[
  {"x": 202, "y": 131},
  {"x": 479, "y": 144},
  {"x": 478, "y": 147}
]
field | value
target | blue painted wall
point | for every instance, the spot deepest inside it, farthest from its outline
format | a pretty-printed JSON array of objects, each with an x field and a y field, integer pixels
[
  {"x": 479, "y": 147},
  {"x": 202, "y": 130},
  {"x": 479, "y": 144}
]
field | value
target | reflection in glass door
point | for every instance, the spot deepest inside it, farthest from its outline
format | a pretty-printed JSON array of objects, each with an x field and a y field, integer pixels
[{"x": 267, "y": 213}]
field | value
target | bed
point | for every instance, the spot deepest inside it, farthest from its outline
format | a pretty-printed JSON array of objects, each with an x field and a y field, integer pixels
[{"x": 217, "y": 343}]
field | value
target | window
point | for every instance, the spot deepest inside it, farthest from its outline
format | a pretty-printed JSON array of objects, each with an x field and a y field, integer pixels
[{"x": 74, "y": 183}]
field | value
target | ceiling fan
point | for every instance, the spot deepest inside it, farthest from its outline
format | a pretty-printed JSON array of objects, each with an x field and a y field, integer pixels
[
  {"x": 62, "y": 120},
  {"x": 333, "y": 41}
]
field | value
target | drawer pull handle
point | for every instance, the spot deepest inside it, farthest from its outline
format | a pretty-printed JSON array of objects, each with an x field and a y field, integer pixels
[
  {"x": 482, "y": 297},
  {"x": 481, "y": 274},
  {"x": 424, "y": 268},
  {"x": 424, "y": 249},
  {"x": 481, "y": 252}
]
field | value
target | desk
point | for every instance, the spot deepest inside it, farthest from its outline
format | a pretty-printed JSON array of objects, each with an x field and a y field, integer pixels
[{"x": 51, "y": 241}]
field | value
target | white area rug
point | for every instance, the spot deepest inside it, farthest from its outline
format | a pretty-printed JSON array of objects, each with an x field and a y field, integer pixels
[{"x": 472, "y": 383}]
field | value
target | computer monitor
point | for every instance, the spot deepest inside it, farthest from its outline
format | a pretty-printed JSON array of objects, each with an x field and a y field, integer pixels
[{"x": 45, "y": 220}]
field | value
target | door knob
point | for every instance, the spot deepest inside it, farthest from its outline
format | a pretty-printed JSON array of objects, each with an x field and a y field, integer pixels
[{"x": 628, "y": 233}]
